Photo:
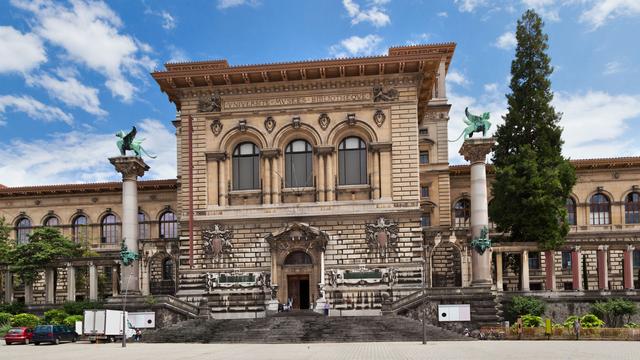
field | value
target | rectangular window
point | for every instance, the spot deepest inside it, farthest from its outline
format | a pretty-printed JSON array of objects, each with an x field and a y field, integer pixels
[
  {"x": 566, "y": 260},
  {"x": 423, "y": 131},
  {"x": 534, "y": 260},
  {"x": 425, "y": 220},
  {"x": 424, "y": 191},
  {"x": 424, "y": 157},
  {"x": 636, "y": 258}
]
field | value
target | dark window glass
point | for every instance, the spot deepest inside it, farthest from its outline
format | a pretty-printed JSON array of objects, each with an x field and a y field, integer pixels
[
  {"x": 424, "y": 131},
  {"x": 632, "y": 209},
  {"x": 246, "y": 167},
  {"x": 79, "y": 229},
  {"x": 167, "y": 269},
  {"x": 168, "y": 225},
  {"x": 566, "y": 260},
  {"x": 425, "y": 220},
  {"x": 424, "y": 191},
  {"x": 51, "y": 221},
  {"x": 352, "y": 158},
  {"x": 298, "y": 258},
  {"x": 23, "y": 229},
  {"x": 144, "y": 228},
  {"x": 424, "y": 157},
  {"x": 462, "y": 213},
  {"x": 636, "y": 258},
  {"x": 109, "y": 229},
  {"x": 534, "y": 260},
  {"x": 571, "y": 211},
  {"x": 298, "y": 164},
  {"x": 600, "y": 210}
]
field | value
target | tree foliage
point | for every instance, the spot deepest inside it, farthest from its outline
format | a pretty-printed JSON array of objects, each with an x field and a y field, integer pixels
[
  {"x": 524, "y": 305},
  {"x": 28, "y": 320},
  {"x": 6, "y": 244},
  {"x": 613, "y": 311},
  {"x": 70, "y": 320},
  {"x": 533, "y": 179},
  {"x": 45, "y": 246},
  {"x": 55, "y": 316}
]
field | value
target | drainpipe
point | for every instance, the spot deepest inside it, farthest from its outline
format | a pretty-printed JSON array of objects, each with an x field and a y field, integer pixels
[{"x": 190, "y": 130}]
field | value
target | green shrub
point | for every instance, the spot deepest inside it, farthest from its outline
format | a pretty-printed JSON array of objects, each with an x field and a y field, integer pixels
[
  {"x": 55, "y": 316},
  {"x": 5, "y": 318},
  {"x": 613, "y": 311},
  {"x": 524, "y": 305},
  {"x": 632, "y": 326},
  {"x": 13, "y": 308},
  {"x": 570, "y": 320},
  {"x": 28, "y": 320},
  {"x": 70, "y": 321},
  {"x": 590, "y": 321},
  {"x": 5, "y": 329},
  {"x": 531, "y": 321},
  {"x": 78, "y": 307}
]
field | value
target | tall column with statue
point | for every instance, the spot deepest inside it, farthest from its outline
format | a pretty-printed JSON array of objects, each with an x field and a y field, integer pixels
[
  {"x": 475, "y": 151},
  {"x": 130, "y": 167}
]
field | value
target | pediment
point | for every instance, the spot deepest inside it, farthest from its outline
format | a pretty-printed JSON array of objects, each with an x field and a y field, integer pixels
[{"x": 298, "y": 235}]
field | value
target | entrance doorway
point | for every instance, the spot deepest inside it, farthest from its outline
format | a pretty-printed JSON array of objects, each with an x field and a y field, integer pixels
[{"x": 298, "y": 290}]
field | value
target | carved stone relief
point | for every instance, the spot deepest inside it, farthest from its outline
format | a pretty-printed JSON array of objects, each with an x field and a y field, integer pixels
[
  {"x": 242, "y": 125},
  {"x": 217, "y": 240},
  {"x": 382, "y": 236},
  {"x": 379, "y": 117},
  {"x": 216, "y": 126},
  {"x": 269, "y": 124},
  {"x": 324, "y": 121},
  {"x": 295, "y": 121},
  {"x": 363, "y": 276},
  {"x": 213, "y": 103},
  {"x": 236, "y": 279},
  {"x": 298, "y": 236},
  {"x": 379, "y": 94}
]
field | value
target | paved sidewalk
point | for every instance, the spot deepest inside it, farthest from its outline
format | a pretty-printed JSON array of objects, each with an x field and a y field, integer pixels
[{"x": 620, "y": 350}]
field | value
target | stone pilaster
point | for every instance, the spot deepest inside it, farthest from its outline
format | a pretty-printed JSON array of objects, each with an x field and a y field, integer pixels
[
  {"x": 50, "y": 285},
  {"x": 524, "y": 269},
  {"x": 71, "y": 283},
  {"x": 499, "y": 277},
  {"x": 576, "y": 268},
  {"x": 93, "y": 282},
  {"x": 628, "y": 267},
  {"x": 603, "y": 267},
  {"x": 550, "y": 270},
  {"x": 130, "y": 167},
  {"x": 8, "y": 287}
]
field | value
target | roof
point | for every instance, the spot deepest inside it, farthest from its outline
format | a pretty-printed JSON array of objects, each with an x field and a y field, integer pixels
[{"x": 167, "y": 184}]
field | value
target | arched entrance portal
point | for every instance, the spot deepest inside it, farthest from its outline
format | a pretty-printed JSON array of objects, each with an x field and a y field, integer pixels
[{"x": 297, "y": 253}]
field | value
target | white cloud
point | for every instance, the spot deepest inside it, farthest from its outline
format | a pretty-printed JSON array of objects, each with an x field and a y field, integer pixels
[
  {"x": 443, "y": 14},
  {"x": 357, "y": 46},
  {"x": 19, "y": 52},
  {"x": 613, "y": 67},
  {"x": 548, "y": 9},
  {"x": 168, "y": 21},
  {"x": 66, "y": 88},
  {"x": 469, "y": 5},
  {"x": 224, "y": 4},
  {"x": 606, "y": 10},
  {"x": 81, "y": 156},
  {"x": 375, "y": 13},
  {"x": 455, "y": 77},
  {"x": 506, "y": 41},
  {"x": 419, "y": 39},
  {"x": 90, "y": 34},
  {"x": 177, "y": 54},
  {"x": 33, "y": 108}
]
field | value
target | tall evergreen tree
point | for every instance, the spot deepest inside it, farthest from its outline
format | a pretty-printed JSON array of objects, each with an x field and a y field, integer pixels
[{"x": 533, "y": 179}]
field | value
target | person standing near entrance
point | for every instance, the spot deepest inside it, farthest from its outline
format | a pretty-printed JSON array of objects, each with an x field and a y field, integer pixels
[{"x": 326, "y": 307}]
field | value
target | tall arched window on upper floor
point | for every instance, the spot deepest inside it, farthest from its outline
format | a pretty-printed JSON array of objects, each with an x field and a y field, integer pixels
[
  {"x": 352, "y": 161},
  {"x": 167, "y": 269},
  {"x": 246, "y": 167},
  {"x": 462, "y": 213},
  {"x": 168, "y": 225},
  {"x": 600, "y": 210},
  {"x": 51, "y": 221},
  {"x": 23, "y": 229},
  {"x": 109, "y": 229},
  {"x": 571, "y": 211},
  {"x": 80, "y": 229},
  {"x": 298, "y": 164},
  {"x": 144, "y": 229},
  {"x": 632, "y": 208}
]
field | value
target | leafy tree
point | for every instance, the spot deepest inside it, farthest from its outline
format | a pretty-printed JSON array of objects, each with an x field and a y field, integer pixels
[
  {"x": 613, "y": 311},
  {"x": 28, "y": 320},
  {"x": 524, "y": 305},
  {"x": 533, "y": 179},
  {"x": 6, "y": 243},
  {"x": 45, "y": 246},
  {"x": 13, "y": 308},
  {"x": 70, "y": 321},
  {"x": 78, "y": 307},
  {"x": 5, "y": 318},
  {"x": 55, "y": 316}
]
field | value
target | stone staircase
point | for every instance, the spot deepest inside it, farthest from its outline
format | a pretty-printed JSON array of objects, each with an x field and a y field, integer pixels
[{"x": 299, "y": 327}]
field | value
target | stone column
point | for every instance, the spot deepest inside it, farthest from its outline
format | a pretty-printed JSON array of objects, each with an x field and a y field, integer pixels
[
  {"x": 275, "y": 180},
  {"x": 321, "y": 186},
  {"x": 93, "y": 282},
  {"x": 222, "y": 183},
  {"x": 475, "y": 151},
  {"x": 603, "y": 267},
  {"x": 331, "y": 179},
  {"x": 628, "y": 267},
  {"x": 50, "y": 285},
  {"x": 145, "y": 278},
  {"x": 8, "y": 287},
  {"x": 71, "y": 282},
  {"x": 266, "y": 189},
  {"x": 28, "y": 294},
  {"x": 385, "y": 173},
  {"x": 499, "y": 279},
  {"x": 114, "y": 280},
  {"x": 550, "y": 270},
  {"x": 213, "y": 184},
  {"x": 376, "y": 175},
  {"x": 524, "y": 270},
  {"x": 130, "y": 167},
  {"x": 576, "y": 269}
]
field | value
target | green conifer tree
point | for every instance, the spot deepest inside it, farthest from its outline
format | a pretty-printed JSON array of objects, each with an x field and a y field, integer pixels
[{"x": 533, "y": 179}]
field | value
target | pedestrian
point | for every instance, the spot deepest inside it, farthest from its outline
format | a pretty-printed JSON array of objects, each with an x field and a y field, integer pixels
[
  {"x": 326, "y": 308},
  {"x": 576, "y": 328}
]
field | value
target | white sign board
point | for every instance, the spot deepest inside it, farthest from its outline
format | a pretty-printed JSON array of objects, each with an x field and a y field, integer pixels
[
  {"x": 454, "y": 312},
  {"x": 142, "y": 320}
]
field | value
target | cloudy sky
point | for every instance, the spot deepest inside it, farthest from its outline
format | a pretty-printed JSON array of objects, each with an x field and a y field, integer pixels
[{"x": 73, "y": 73}]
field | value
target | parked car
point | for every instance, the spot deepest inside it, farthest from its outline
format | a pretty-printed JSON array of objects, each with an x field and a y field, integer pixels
[
  {"x": 53, "y": 334},
  {"x": 18, "y": 335}
]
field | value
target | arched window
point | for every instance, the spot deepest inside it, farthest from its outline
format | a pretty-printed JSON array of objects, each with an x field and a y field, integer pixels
[
  {"x": 571, "y": 211},
  {"x": 298, "y": 164},
  {"x": 352, "y": 161},
  {"x": 109, "y": 229},
  {"x": 143, "y": 226},
  {"x": 600, "y": 210},
  {"x": 632, "y": 209},
  {"x": 462, "y": 213},
  {"x": 79, "y": 229},
  {"x": 23, "y": 229},
  {"x": 298, "y": 258},
  {"x": 168, "y": 225},
  {"x": 246, "y": 167},
  {"x": 167, "y": 269},
  {"x": 51, "y": 221}
]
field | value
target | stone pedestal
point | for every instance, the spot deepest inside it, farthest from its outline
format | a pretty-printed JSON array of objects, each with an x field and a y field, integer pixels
[
  {"x": 475, "y": 151},
  {"x": 130, "y": 167}
]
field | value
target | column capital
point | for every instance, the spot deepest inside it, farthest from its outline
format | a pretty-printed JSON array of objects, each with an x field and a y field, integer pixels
[
  {"x": 270, "y": 153},
  {"x": 476, "y": 150},
  {"x": 129, "y": 166},
  {"x": 576, "y": 248},
  {"x": 325, "y": 149},
  {"x": 380, "y": 146},
  {"x": 631, "y": 247},
  {"x": 603, "y": 247},
  {"x": 216, "y": 155}
]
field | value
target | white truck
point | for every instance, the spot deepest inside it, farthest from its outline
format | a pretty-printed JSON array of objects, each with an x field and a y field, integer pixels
[{"x": 104, "y": 325}]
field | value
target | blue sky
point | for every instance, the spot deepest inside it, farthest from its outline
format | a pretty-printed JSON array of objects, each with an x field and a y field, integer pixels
[{"x": 73, "y": 73}]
